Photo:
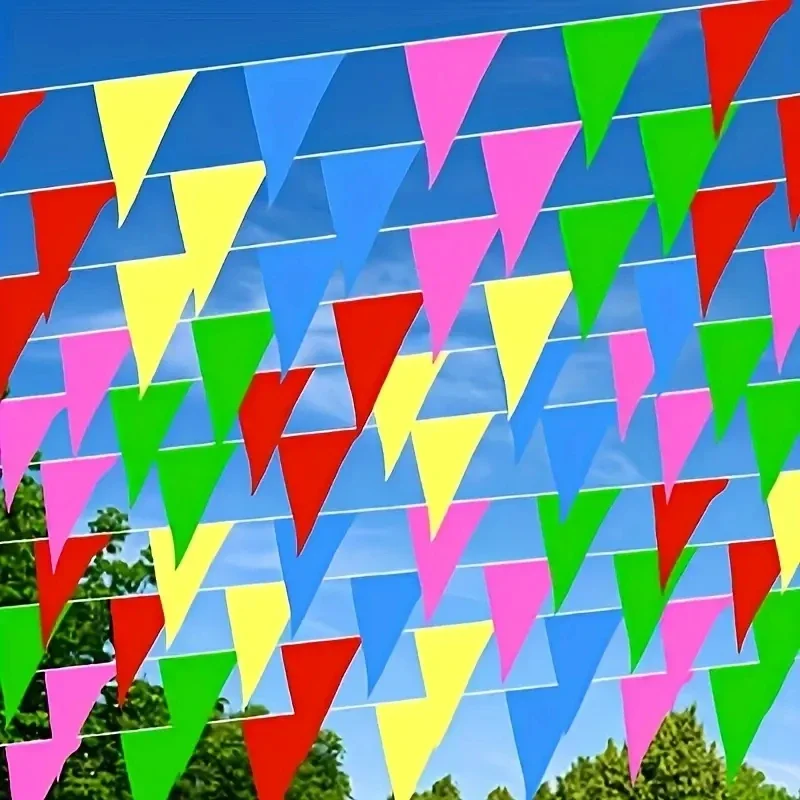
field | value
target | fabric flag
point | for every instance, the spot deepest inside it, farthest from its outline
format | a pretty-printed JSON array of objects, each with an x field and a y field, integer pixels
[
  {"x": 258, "y": 615},
  {"x": 444, "y": 448},
  {"x": 278, "y": 744},
  {"x": 134, "y": 116},
  {"x": 411, "y": 730},
  {"x": 676, "y": 517},
  {"x": 521, "y": 166},
  {"x": 20, "y": 654},
  {"x": 89, "y": 362},
  {"x": 680, "y": 419},
  {"x": 136, "y": 622},
  {"x": 602, "y": 56},
  {"x": 445, "y": 75},
  {"x": 783, "y": 281},
  {"x": 447, "y": 256},
  {"x": 633, "y": 368},
  {"x": 784, "y": 517},
  {"x": 641, "y": 596},
  {"x": 732, "y": 36},
  {"x": 229, "y": 350},
  {"x": 141, "y": 423},
  {"x": 265, "y": 411},
  {"x": 678, "y": 147},
  {"x": 436, "y": 558},
  {"x": 14, "y": 110},
  {"x": 178, "y": 585},
  {"x": 596, "y": 238},
  {"x": 720, "y": 218},
  {"x": 383, "y": 604},
  {"x": 34, "y": 766},
  {"x": 567, "y": 542},
  {"x": 516, "y": 592},
  {"x": 371, "y": 332},
  {"x": 303, "y": 572},
  {"x": 361, "y": 187},
  {"x": 731, "y": 352},
  {"x": 789, "y": 119},
  {"x": 755, "y": 567},
  {"x": 284, "y": 96},
  {"x": 67, "y": 487},
  {"x": 400, "y": 401},
  {"x": 523, "y": 312}
]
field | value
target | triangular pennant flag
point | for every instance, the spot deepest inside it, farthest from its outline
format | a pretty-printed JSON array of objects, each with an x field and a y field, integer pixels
[
  {"x": 34, "y": 766},
  {"x": 783, "y": 281},
  {"x": 685, "y": 626},
  {"x": 361, "y": 187},
  {"x": 522, "y": 312},
  {"x": 444, "y": 448},
  {"x": 383, "y": 604},
  {"x": 258, "y": 615},
  {"x": 21, "y": 651},
  {"x": 14, "y": 110},
  {"x": 567, "y": 542},
  {"x": 720, "y": 218},
  {"x": 141, "y": 423},
  {"x": 447, "y": 256},
  {"x": 789, "y": 119},
  {"x": 633, "y": 368},
  {"x": 136, "y": 622},
  {"x": 134, "y": 116},
  {"x": 436, "y": 558},
  {"x": 22, "y": 300},
  {"x": 596, "y": 238},
  {"x": 678, "y": 147},
  {"x": 445, "y": 75},
  {"x": 178, "y": 585},
  {"x": 72, "y": 693},
  {"x": 371, "y": 332},
  {"x": 733, "y": 35},
  {"x": 521, "y": 166},
  {"x": 602, "y": 56},
  {"x": 784, "y": 518},
  {"x": 755, "y": 567},
  {"x": 731, "y": 352},
  {"x": 229, "y": 350}
]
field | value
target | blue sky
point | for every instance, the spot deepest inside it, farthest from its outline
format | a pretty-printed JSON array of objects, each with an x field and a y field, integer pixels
[{"x": 369, "y": 102}]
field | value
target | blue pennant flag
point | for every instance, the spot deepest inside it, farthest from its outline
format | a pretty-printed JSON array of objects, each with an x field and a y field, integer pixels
[
  {"x": 284, "y": 96},
  {"x": 383, "y": 604},
  {"x": 361, "y": 187}
]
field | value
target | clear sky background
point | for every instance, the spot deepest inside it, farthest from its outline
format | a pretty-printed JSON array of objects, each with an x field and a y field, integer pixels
[{"x": 369, "y": 102}]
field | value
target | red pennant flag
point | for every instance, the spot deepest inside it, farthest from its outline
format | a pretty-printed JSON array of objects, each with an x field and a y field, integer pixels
[
  {"x": 754, "y": 569},
  {"x": 719, "y": 219},
  {"x": 21, "y": 300},
  {"x": 136, "y": 621},
  {"x": 14, "y": 110},
  {"x": 733, "y": 35},
  {"x": 677, "y": 518},
  {"x": 276, "y": 746},
  {"x": 310, "y": 463},
  {"x": 789, "y": 118},
  {"x": 371, "y": 332},
  {"x": 264, "y": 414},
  {"x": 56, "y": 588}
]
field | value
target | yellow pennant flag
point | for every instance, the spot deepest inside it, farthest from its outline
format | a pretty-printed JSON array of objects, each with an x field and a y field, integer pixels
[
  {"x": 178, "y": 587},
  {"x": 400, "y": 400},
  {"x": 134, "y": 116},
  {"x": 784, "y": 513},
  {"x": 523, "y": 312},
  {"x": 443, "y": 447},
  {"x": 211, "y": 204},
  {"x": 411, "y": 730},
  {"x": 258, "y": 615}
]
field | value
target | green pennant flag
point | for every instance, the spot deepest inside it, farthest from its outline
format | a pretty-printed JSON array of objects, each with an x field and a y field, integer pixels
[
  {"x": 229, "y": 350},
  {"x": 602, "y": 56},
  {"x": 567, "y": 543},
  {"x": 731, "y": 352},
  {"x": 187, "y": 476},
  {"x": 21, "y": 652},
  {"x": 641, "y": 597},
  {"x": 596, "y": 238},
  {"x": 141, "y": 424},
  {"x": 678, "y": 147}
]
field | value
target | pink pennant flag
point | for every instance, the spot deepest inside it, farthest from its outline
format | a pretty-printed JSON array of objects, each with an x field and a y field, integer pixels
[
  {"x": 685, "y": 626},
  {"x": 680, "y": 419},
  {"x": 67, "y": 486},
  {"x": 71, "y": 695},
  {"x": 444, "y": 77},
  {"x": 633, "y": 368},
  {"x": 89, "y": 362},
  {"x": 516, "y": 592},
  {"x": 23, "y": 425},
  {"x": 521, "y": 166},
  {"x": 437, "y": 558},
  {"x": 33, "y": 767},
  {"x": 783, "y": 281},
  {"x": 447, "y": 256}
]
